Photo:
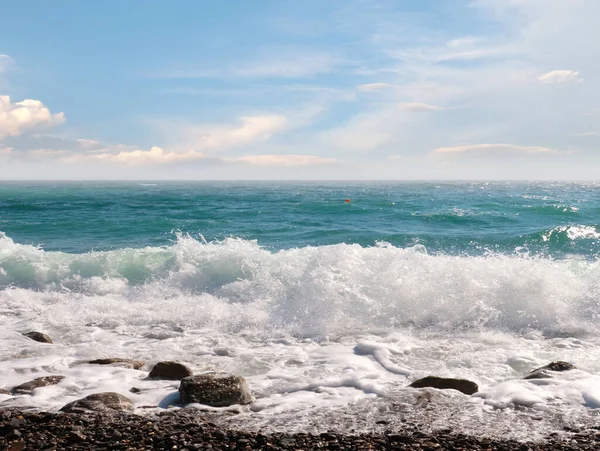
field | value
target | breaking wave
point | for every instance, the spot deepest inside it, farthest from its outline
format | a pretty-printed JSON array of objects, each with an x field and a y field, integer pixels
[{"x": 309, "y": 290}]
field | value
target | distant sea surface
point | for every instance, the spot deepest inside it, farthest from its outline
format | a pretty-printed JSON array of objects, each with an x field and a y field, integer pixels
[
  {"x": 329, "y": 297},
  {"x": 554, "y": 219}
]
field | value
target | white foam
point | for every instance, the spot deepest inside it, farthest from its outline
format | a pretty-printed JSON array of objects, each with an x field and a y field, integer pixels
[{"x": 317, "y": 331}]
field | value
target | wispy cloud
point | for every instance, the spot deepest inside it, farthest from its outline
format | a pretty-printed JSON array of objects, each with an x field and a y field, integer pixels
[
  {"x": 284, "y": 65},
  {"x": 283, "y": 160},
  {"x": 492, "y": 149},
  {"x": 419, "y": 107},
  {"x": 374, "y": 87},
  {"x": 250, "y": 129},
  {"x": 6, "y": 62},
  {"x": 561, "y": 76},
  {"x": 155, "y": 155}
]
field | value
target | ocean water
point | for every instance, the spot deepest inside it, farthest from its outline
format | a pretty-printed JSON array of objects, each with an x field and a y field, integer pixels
[{"x": 329, "y": 308}]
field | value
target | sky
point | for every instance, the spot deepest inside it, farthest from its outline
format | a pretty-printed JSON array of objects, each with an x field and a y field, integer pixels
[{"x": 300, "y": 90}]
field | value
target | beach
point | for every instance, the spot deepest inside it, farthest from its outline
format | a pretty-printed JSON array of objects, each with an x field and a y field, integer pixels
[{"x": 189, "y": 430}]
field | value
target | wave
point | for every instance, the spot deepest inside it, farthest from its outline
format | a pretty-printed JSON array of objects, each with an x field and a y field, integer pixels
[
  {"x": 562, "y": 237},
  {"x": 311, "y": 290}
]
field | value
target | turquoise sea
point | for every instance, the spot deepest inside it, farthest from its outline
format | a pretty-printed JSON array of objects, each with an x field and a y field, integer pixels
[
  {"x": 330, "y": 298},
  {"x": 470, "y": 218}
]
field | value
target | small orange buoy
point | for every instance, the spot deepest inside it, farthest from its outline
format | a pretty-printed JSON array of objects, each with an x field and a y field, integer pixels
[{"x": 347, "y": 201}]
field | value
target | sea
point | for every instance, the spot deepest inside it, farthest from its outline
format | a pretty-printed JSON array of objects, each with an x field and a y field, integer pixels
[{"x": 329, "y": 298}]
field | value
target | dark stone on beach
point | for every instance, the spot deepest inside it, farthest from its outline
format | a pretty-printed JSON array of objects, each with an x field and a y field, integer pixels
[
  {"x": 99, "y": 402},
  {"x": 545, "y": 372},
  {"x": 170, "y": 371},
  {"x": 126, "y": 363},
  {"x": 28, "y": 387},
  {"x": 135, "y": 390},
  {"x": 443, "y": 383},
  {"x": 38, "y": 336},
  {"x": 216, "y": 390}
]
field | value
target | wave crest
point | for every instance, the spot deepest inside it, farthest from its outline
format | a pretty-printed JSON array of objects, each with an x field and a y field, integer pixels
[{"x": 310, "y": 290}]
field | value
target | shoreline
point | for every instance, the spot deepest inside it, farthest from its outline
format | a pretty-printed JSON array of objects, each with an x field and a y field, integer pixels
[{"x": 190, "y": 429}]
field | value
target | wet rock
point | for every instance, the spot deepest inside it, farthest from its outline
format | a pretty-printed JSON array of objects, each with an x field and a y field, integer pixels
[
  {"x": 28, "y": 387},
  {"x": 442, "y": 383},
  {"x": 126, "y": 363},
  {"x": 99, "y": 402},
  {"x": 38, "y": 336},
  {"x": 545, "y": 372},
  {"x": 4, "y": 392},
  {"x": 216, "y": 390},
  {"x": 135, "y": 390},
  {"x": 170, "y": 371}
]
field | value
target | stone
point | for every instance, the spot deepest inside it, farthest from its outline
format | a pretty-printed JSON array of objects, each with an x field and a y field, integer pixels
[
  {"x": 4, "y": 392},
  {"x": 100, "y": 402},
  {"x": 126, "y": 363},
  {"x": 545, "y": 372},
  {"x": 170, "y": 371},
  {"x": 442, "y": 383},
  {"x": 216, "y": 390},
  {"x": 28, "y": 387},
  {"x": 38, "y": 336}
]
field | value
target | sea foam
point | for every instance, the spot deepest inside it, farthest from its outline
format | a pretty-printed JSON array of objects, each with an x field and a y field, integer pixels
[
  {"x": 308, "y": 291},
  {"x": 334, "y": 331}
]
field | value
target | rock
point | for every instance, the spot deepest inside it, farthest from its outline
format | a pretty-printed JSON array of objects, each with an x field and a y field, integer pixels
[
  {"x": 18, "y": 445},
  {"x": 443, "y": 383},
  {"x": 135, "y": 390},
  {"x": 4, "y": 392},
  {"x": 216, "y": 390},
  {"x": 127, "y": 363},
  {"x": 170, "y": 370},
  {"x": 38, "y": 336},
  {"x": 28, "y": 387},
  {"x": 99, "y": 402},
  {"x": 545, "y": 372}
]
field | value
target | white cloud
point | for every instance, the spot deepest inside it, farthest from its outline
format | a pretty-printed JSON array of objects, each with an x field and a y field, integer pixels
[
  {"x": 374, "y": 86},
  {"x": 587, "y": 134},
  {"x": 561, "y": 76},
  {"x": 6, "y": 62},
  {"x": 159, "y": 156},
  {"x": 88, "y": 143},
  {"x": 252, "y": 129},
  {"x": 492, "y": 149},
  {"x": 282, "y": 160},
  {"x": 279, "y": 64},
  {"x": 418, "y": 106},
  {"x": 17, "y": 118},
  {"x": 288, "y": 66},
  {"x": 6, "y": 152},
  {"x": 156, "y": 155}
]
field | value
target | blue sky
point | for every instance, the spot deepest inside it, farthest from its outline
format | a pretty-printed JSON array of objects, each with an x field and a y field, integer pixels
[{"x": 354, "y": 89}]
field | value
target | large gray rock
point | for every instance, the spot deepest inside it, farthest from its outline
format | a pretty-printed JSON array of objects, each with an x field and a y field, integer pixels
[
  {"x": 100, "y": 402},
  {"x": 216, "y": 390},
  {"x": 444, "y": 383},
  {"x": 126, "y": 363},
  {"x": 170, "y": 371},
  {"x": 545, "y": 372},
  {"x": 38, "y": 336},
  {"x": 28, "y": 387}
]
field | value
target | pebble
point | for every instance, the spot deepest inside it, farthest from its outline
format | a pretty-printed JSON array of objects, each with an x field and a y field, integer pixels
[{"x": 184, "y": 430}]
